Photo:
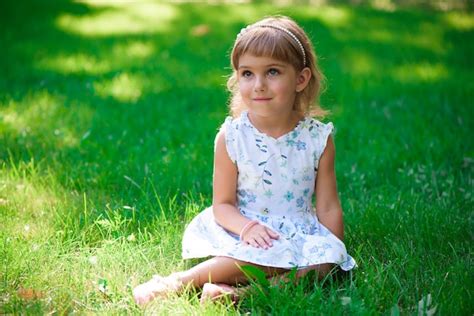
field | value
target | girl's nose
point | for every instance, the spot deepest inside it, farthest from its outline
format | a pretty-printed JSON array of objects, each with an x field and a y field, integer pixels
[{"x": 259, "y": 84}]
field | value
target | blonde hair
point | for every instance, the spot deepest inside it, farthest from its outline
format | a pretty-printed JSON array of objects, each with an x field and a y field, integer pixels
[{"x": 275, "y": 43}]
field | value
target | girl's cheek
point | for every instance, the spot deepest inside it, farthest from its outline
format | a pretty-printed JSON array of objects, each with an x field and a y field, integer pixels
[{"x": 244, "y": 86}]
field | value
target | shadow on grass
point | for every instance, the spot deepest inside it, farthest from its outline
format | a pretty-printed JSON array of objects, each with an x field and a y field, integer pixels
[{"x": 108, "y": 96}]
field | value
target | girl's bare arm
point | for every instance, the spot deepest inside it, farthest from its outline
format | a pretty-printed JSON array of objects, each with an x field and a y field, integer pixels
[
  {"x": 328, "y": 206},
  {"x": 224, "y": 198}
]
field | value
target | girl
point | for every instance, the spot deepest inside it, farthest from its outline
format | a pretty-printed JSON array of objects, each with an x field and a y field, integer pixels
[{"x": 270, "y": 157}]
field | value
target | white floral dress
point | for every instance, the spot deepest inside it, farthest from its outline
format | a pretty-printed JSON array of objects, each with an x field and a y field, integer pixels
[{"x": 275, "y": 186}]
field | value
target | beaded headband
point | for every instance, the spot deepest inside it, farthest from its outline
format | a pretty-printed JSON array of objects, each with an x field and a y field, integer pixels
[{"x": 293, "y": 36}]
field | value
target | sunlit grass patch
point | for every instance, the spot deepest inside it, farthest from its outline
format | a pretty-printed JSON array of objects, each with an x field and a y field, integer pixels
[
  {"x": 27, "y": 202},
  {"x": 423, "y": 72},
  {"x": 44, "y": 115},
  {"x": 460, "y": 20},
  {"x": 122, "y": 54},
  {"x": 331, "y": 16},
  {"x": 44, "y": 247},
  {"x": 116, "y": 18},
  {"x": 124, "y": 88},
  {"x": 78, "y": 63}
]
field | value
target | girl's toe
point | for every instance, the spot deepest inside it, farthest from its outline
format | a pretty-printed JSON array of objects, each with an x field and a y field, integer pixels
[
  {"x": 209, "y": 290},
  {"x": 214, "y": 292}
]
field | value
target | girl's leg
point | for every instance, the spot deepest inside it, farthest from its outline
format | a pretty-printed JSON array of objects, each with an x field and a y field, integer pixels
[
  {"x": 220, "y": 270},
  {"x": 212, "y": 291},
  {"x": 216, "y": 270}
]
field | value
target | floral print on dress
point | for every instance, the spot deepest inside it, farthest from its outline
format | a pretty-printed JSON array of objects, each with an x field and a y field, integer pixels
[{"x": 275, "y": 185}]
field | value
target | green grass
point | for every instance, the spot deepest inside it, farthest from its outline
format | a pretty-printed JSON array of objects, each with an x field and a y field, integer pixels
[{"x": 107, "y": 119}]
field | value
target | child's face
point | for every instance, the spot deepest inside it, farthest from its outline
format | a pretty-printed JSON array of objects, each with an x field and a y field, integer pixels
[{"x": 267, "y": 86}]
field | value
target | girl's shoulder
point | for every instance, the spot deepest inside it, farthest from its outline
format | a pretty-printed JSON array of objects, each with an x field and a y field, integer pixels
[
  {"x": 232, "y": 133},
  {"x": 317, "y": 128},
  {"x": 232, "y": 121},
  {"x": 234, "y": 124},
  {"x": 317, "y": 134},
  {"x": 311, "y": 121}
]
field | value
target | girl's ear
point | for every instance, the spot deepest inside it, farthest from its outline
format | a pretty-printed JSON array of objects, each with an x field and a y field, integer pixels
[{"x": 302, "y": 79}]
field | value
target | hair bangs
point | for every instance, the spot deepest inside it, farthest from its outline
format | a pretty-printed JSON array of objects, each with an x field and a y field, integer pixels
[{"x": 264, "y": 43}]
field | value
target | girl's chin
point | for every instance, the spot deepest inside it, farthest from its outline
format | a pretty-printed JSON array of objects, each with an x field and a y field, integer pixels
[{"x": 264, "y": 111}]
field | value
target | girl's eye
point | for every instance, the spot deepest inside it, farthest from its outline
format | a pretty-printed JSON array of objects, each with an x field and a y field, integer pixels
[
  {"x": 246, "y": 73},
  {"x": 273, "y": 72}
]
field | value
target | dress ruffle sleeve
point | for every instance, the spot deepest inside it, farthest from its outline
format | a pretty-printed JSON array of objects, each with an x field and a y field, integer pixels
[
  {"x": 320, "y": 134},
  {"x": 229, "y": 129}
]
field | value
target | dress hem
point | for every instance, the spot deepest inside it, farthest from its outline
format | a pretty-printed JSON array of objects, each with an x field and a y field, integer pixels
[{"x": 340, "y": 264}]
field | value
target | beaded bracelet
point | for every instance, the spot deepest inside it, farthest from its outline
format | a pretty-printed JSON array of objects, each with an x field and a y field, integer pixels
[{"x": 247, "y": 227}]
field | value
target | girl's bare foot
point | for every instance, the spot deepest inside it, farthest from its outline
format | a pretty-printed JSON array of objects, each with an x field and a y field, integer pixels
[
  {"x": 216, "y": 291},
  {"x": 157, "y": 286}
]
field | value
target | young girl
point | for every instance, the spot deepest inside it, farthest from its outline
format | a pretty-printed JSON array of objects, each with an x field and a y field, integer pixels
[{"x": 270, "y": 157}]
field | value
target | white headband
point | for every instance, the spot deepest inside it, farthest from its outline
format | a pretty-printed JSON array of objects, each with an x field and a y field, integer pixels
[{"x": 245, "y": 29}]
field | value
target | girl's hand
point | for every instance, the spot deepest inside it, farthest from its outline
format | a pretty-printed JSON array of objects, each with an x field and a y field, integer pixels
[{"x": 260, "y": 236}]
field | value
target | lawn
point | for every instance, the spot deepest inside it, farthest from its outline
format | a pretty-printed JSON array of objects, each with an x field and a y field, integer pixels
[{"x": 108, "y": 112}]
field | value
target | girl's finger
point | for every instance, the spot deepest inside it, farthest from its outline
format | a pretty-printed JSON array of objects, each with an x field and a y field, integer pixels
[
  {"x": 272, "y": 234},
  {"x": 267, "y": 239},
  {"x": 253, "y": 243},
  {"x": 261, "y": 242}
]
